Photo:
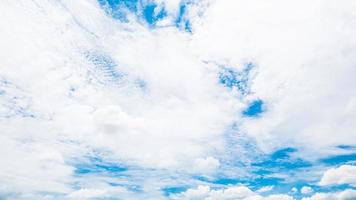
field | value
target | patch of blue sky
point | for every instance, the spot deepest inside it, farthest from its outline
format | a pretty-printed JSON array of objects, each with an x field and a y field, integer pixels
[
  {"x": 151, "y": 15},
  {"x": 167, "y": 191},
  {"x": 346, "y": 147},
  {"x": 146, "y": 11},
  {"x": 261, "y": 171},
  {"x": 289, "y": 164},
  {"x": 281, "y": 161},
  {"x": 339, "y": 159},
  {"x": 231, "y": 78},
  {"x": 228, "y": 181},
  {"x": 119, "y": 9},
  {"x": 286, "y": 188},
  {"x": 96, "y": 165},
  {"x": 182, "y": 21},
  {"x": 254, "y": 109},
  {"x": 265, "y": 181},
  {"x": 283, "y": 153}
]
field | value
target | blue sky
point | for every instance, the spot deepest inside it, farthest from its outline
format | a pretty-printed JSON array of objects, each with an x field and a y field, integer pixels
[{"x": 181, "y": 100}]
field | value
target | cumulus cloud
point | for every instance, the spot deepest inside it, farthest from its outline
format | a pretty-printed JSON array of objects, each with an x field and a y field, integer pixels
[
  {"x": 344, "y": 195},
  {"x": 303, "y": 59},
  {"x": 306, "y": 190},
  {"x": 78, "y": 84},
  {"x": 108, "y": 86},
  {"x": 235, "y": 192},
  {"x": 345, "y": 174},
  {"x": 207, "y": 165}
]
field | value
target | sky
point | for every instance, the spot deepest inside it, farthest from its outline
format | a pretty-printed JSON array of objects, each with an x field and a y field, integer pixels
[{"x": 178, "y": 99}]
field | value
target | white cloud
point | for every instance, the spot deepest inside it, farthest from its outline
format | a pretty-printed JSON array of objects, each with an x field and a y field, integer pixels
[
  {"x": 303, "y": 60},
  {"x": 265, "y": 189},
  {"x": 33, "y": 168},
  {"x": 99, "y": 192},
  {"x": 177, "y": 119},
  {"x": 348, "y": 194},
  {"x": 230, "y": 193},
  {"x": 345, "y": 174},
  {"x": 88, "y": 193},
  {"x": 306, "y": 190},
  {"x": 206, "y": 165}
]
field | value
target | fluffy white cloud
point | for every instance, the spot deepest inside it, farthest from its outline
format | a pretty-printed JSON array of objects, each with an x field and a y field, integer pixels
[
  {"x": 74, "y": 81},
  {"x": 345, "y": 174},
  {"x": 305, "y": 56},
  {"x": 344, "y": 195},
  {"x": 230, "y": 193},
  {"x": 206, "y": 165},
  {"x": 167, "y": 111},
  {"x": 306, "y": 190},
  {"x": 181, "y": 105}
]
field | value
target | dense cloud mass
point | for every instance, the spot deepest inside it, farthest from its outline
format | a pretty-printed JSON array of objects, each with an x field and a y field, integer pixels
[{"x": 178, "y": 99}]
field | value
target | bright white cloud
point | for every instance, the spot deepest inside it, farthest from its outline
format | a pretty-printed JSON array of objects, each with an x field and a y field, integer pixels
[
  {"x": 305, "y": 57},
  {"x": 76, "y": 82},
  {"x": 344, "y": 195},
  {"x": 345, "y": 174},
  {"x": 207, "y": 165},
  {"x": 230, "y": 193}
]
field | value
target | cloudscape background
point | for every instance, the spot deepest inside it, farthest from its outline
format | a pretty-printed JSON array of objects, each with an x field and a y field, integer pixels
[{"x": 178, "y": 99}]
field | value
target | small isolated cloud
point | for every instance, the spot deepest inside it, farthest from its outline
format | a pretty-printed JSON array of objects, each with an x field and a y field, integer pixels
[
  {"x": 206, "y": 165},
  {"x": 294, "y": 190},
  {"x": 306, "y": 190},
  {"x": 345, "y": 174}
]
